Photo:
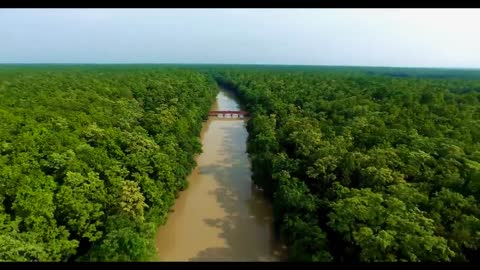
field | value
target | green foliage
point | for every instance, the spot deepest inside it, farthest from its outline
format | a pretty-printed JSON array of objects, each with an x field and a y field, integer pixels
[
  {"x": 362, "y": 164},
  {"x": 80, "y": 200},
  {"x": 125, "y": 241},
  {"x": 21, "y": 250},
  {"x": 366, "y": 164},
  {"x": 85, "y": 149},
  {"x": 132, "y": 202},
  {"x": 385, "y": 229}
]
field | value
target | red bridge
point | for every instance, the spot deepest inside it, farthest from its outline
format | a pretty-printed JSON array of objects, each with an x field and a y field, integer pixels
[{"x": 231, "y": 113}]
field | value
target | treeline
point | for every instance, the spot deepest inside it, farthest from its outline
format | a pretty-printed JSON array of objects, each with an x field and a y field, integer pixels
[
  {"x": 366, "y": 168},
  {"x": 92, "y": 158}
]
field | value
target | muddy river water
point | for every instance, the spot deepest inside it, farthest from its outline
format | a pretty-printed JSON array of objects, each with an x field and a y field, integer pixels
[{"x": 221, "y": 216}]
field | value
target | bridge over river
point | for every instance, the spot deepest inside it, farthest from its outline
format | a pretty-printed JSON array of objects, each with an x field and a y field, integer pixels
[
  {"x": 231, "y": 113},
  {"x": 222, "y": 215}
]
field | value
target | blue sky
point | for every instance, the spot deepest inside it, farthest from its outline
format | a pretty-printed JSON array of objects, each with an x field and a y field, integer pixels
[{"x": 367, "y": 37}]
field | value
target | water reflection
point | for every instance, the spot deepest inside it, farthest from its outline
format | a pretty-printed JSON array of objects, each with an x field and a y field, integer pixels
[{"x": 222, "y": 216}]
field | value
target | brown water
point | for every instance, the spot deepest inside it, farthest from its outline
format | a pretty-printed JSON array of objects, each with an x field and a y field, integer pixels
[{"x": 221, "y": 216}]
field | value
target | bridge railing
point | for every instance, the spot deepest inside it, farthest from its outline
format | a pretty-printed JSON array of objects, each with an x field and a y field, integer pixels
[{"x": 216, "y": 113}]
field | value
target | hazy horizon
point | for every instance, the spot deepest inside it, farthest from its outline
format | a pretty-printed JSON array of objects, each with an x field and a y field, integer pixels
[
  {"x": 408, "y": 38},
  {"x": 235, "y": 64}
]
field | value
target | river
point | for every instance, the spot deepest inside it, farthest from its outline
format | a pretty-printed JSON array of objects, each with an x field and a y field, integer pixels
[{"x": 221, "y": 216}]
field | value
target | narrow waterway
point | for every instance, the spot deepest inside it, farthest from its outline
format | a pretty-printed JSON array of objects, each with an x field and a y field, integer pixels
[{"x": 221, "y": 216}]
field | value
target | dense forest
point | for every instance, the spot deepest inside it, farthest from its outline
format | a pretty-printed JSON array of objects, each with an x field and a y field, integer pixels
[
  {"x": 92, "y": 158},
  {"x": 367, "y": 165},
  {"x": 361, "y": 164}
]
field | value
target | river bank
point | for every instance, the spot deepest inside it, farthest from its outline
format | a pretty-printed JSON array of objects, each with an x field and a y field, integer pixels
[{"x": 222, "y": 216}]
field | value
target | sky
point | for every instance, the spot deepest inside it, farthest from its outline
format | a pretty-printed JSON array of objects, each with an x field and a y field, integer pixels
[{"x": 352, "y": 37}]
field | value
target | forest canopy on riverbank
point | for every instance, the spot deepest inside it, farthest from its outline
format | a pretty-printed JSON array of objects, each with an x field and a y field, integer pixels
[
  {"x": 92, "y": 157},
  {"x": 370, "y": 164},
  {"x": 362, "y": 164}
]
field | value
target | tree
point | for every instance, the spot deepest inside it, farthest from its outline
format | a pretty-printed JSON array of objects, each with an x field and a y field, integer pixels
[{"x": 385, "y": 229}]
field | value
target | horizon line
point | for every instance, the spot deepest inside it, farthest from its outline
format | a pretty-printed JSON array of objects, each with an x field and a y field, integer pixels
[{"x": 232, "y": 64}]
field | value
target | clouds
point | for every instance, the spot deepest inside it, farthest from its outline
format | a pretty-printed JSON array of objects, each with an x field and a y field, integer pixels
[{"x": 404, "y": 37}]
